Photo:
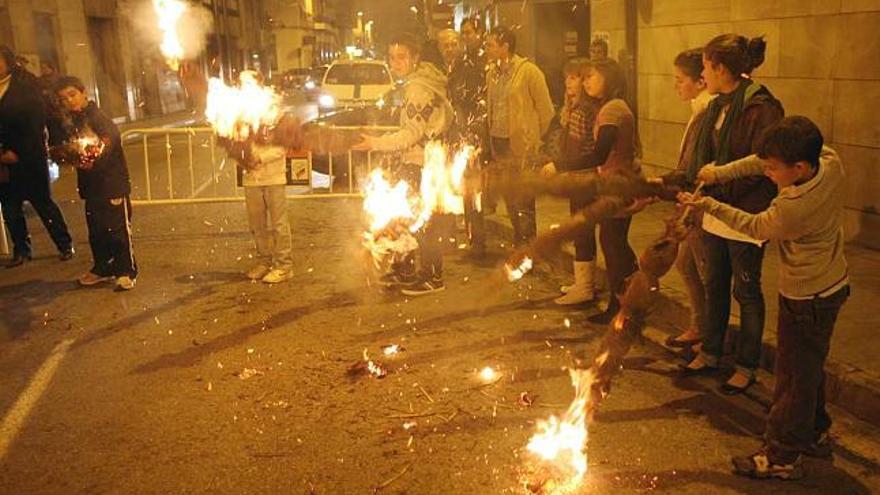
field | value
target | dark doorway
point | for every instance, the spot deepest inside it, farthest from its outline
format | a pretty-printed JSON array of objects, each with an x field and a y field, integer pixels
[{"x": 564, "y": 33}]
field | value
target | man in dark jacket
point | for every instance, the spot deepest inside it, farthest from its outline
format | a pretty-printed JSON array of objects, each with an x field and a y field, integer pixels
[
  {"x": 23, "y": 156},
  {"x": 95, "y": 149}
]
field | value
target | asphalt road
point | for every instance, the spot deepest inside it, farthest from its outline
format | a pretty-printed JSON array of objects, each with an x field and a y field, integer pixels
[{"x": 199, "y": 381}]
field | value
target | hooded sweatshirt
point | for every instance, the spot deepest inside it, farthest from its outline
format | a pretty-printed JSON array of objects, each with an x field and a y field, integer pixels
[
  {"x": 806, "y": 219},
  {"x": 426, "y": 114}
]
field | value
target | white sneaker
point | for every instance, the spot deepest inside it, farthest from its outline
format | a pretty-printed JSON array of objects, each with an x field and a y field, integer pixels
[
  {"x": 124, "y": 283},
  {"x": 277, "y": 276},
  {"x": 257, "y": 272}
]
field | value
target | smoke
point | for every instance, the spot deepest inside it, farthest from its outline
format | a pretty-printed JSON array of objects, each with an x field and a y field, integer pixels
[{"x": 193, "y": 29}]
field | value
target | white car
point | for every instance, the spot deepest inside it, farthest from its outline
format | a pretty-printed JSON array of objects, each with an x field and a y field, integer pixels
[{"x": 349, "y": 83}]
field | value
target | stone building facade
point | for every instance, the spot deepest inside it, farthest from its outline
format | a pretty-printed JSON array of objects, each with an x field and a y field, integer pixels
[{"x": 822, "y": 61}]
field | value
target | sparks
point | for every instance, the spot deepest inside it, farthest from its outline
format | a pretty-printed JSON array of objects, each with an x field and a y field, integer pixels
[{"x": 169, "y": 13}]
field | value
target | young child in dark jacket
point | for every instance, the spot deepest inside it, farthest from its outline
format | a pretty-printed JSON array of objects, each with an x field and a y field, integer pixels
[{"x": 94, "y": 147}]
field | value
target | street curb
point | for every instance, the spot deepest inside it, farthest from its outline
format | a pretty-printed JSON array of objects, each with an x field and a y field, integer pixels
[{"x": 852, "y": 389}]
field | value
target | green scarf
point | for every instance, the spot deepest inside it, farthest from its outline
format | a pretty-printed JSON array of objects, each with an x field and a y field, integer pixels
[{"x": 704, "y": 151}]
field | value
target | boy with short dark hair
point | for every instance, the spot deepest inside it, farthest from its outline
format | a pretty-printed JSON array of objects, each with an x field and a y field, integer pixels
[
  {"x": 95, "y": 149},
  {"x": 806, "y": 219}
]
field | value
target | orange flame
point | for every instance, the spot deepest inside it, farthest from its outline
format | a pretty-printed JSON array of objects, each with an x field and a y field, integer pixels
[
  {"x": 169, "y": 13},
  {"x": 563, "y": 441},
  {"x": 396, "y": 212},
  {"x": 239, "y": 111}
]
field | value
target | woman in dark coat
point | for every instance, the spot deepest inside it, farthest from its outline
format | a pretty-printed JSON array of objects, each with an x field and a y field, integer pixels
[{"x": 23, "y": 158}]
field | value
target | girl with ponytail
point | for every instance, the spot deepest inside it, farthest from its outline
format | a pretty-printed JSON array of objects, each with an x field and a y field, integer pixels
[{"x": 730, "y": 129}]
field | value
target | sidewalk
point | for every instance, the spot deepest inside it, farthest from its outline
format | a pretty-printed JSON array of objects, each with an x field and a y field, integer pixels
[{"x": 853, "y": 370}]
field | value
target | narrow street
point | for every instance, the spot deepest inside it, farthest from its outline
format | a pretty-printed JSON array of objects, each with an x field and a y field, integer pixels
[{"x": 200, "y": 381}]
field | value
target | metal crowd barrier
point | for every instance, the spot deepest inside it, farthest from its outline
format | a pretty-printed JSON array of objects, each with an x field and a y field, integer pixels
[{"x": 215, "y": 172}]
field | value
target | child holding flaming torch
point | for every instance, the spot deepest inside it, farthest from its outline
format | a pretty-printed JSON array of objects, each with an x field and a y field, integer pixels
[
  {"x": 94, "y": 147},
  {"x": 263, "y": 160}
]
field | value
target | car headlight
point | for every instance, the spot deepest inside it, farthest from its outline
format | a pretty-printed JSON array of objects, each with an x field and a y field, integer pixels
[
  {"x": 326, "y": 101},
  {"x": 309, "y": 85}
]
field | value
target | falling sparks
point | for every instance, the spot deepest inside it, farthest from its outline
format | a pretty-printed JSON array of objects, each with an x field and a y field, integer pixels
[
  {"x": 238, "y": 112},
  {"x": 169, "y": 13},
  {"x": 518, "y": 272},
  {"x": 561, "y": 442}
]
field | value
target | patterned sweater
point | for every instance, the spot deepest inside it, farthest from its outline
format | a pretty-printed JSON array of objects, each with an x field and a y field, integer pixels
[{"x": 426, "y": 115}]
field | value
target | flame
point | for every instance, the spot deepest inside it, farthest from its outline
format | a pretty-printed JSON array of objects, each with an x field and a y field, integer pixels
[
  {"x": 88, "y": 147},
  {"x": 169, "y": 13},
  {"x": 373, "y": 368},
  {"x": 563, "y": 441},
  {"x": 488, "y": 374},
  {"x": 384, "y": 203},
  {"x": 516, "y": 273},
  {"x": 239, "y": 111},
  {"x": 391, "y": 349},
  {"x": 395, "y": 212}
]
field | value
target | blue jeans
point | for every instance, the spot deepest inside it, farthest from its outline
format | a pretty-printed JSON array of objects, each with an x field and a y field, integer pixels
[{"x": 723, "y": 260}]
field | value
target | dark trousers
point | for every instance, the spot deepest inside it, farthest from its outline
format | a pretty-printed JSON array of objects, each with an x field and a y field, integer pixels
[
  {"x": 585, "y": 244},
  {"x": 724, "y": 259},
  {"x": 109, "y": 222},
  {"x": 12, "y": 199},
  {"x": 798, "y": 416},
  {"x": 474, "y": 221},
  {"x": 430, "y": 237},
  {"x": 520, "y": 207},
  {"x": 620, "y": 260}
]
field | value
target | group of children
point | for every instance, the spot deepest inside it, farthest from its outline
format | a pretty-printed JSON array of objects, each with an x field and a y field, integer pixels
[{"x": 754, "y": 177}]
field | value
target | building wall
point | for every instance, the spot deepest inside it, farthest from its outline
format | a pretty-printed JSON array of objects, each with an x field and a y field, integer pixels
[{"x": 823, "y": 61}]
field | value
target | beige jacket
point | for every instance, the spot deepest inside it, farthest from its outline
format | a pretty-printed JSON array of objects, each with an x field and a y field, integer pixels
[{"x": 529, "y": 106}]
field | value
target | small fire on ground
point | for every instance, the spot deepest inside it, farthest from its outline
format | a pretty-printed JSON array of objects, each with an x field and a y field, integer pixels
[{"x": 559, "y": 446}]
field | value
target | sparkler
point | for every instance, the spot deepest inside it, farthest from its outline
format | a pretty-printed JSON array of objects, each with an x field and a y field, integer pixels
[
  {"x": 238, "y": 112},
  {"x": 169, "y": 13}
]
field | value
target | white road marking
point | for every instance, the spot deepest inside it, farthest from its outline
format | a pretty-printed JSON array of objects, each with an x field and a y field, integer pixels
[{"x": 15, "y": 418}]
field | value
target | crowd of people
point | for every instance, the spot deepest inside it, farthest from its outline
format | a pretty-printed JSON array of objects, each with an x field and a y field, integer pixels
[
  {"x": 748, "y": 174},
  {"x": 751, "y": 174}
]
